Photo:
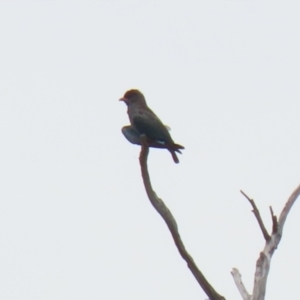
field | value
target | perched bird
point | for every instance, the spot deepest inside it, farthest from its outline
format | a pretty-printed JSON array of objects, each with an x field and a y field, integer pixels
[{"x": 144, "y": 121}]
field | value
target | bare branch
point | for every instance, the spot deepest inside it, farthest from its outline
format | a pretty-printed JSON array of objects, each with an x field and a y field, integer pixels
[
  {"x": 287, "y": 208},
  {"x": 264, "y": 261},
  {"x": 258, "y": 217},
  {"x": 261, "y": 275},
  {"x": 237, "y": 277},
  {"x": 274, "y": 221},
  {"x": 165, "y": 213}
]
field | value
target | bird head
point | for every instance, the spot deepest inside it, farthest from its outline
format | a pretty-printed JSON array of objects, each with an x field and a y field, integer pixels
[{"x": 134, "y": 97}]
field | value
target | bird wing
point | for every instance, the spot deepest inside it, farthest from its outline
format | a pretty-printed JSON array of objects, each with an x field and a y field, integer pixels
[{"x": 146, "y": 122}]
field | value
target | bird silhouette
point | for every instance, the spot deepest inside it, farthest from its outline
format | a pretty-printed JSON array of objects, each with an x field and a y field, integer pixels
[{"x": 145, "y": 122}]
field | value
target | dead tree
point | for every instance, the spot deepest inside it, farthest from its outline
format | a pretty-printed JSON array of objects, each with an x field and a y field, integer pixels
[{"x": 263, "y": 263}]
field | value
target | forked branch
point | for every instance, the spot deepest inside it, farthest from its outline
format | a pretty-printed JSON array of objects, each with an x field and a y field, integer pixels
[
  {"x": 272, "y": 241},
  {"x": 264, "y": 261}
]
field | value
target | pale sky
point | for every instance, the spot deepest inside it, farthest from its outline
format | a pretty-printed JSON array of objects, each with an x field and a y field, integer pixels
[{"x": 75, "y": 222}]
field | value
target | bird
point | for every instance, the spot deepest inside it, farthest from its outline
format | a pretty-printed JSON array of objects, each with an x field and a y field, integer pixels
[{"x": 146, "y": 122}]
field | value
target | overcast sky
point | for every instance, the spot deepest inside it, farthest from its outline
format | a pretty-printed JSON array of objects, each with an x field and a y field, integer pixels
[{"x": 75, "y": 222}]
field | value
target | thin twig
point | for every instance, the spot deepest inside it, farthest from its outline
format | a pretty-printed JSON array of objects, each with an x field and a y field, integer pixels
[
  {"x": 258, "y": 217},
  {"x": 274, "y": 221},
  {"x": 165, "y": 213},
  {"x": 292, "y": 199}
]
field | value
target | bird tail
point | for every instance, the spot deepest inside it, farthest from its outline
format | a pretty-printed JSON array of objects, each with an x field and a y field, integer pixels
[
  {"x": 175, "y": 158},
  {"x": 175, "y": 148}
]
